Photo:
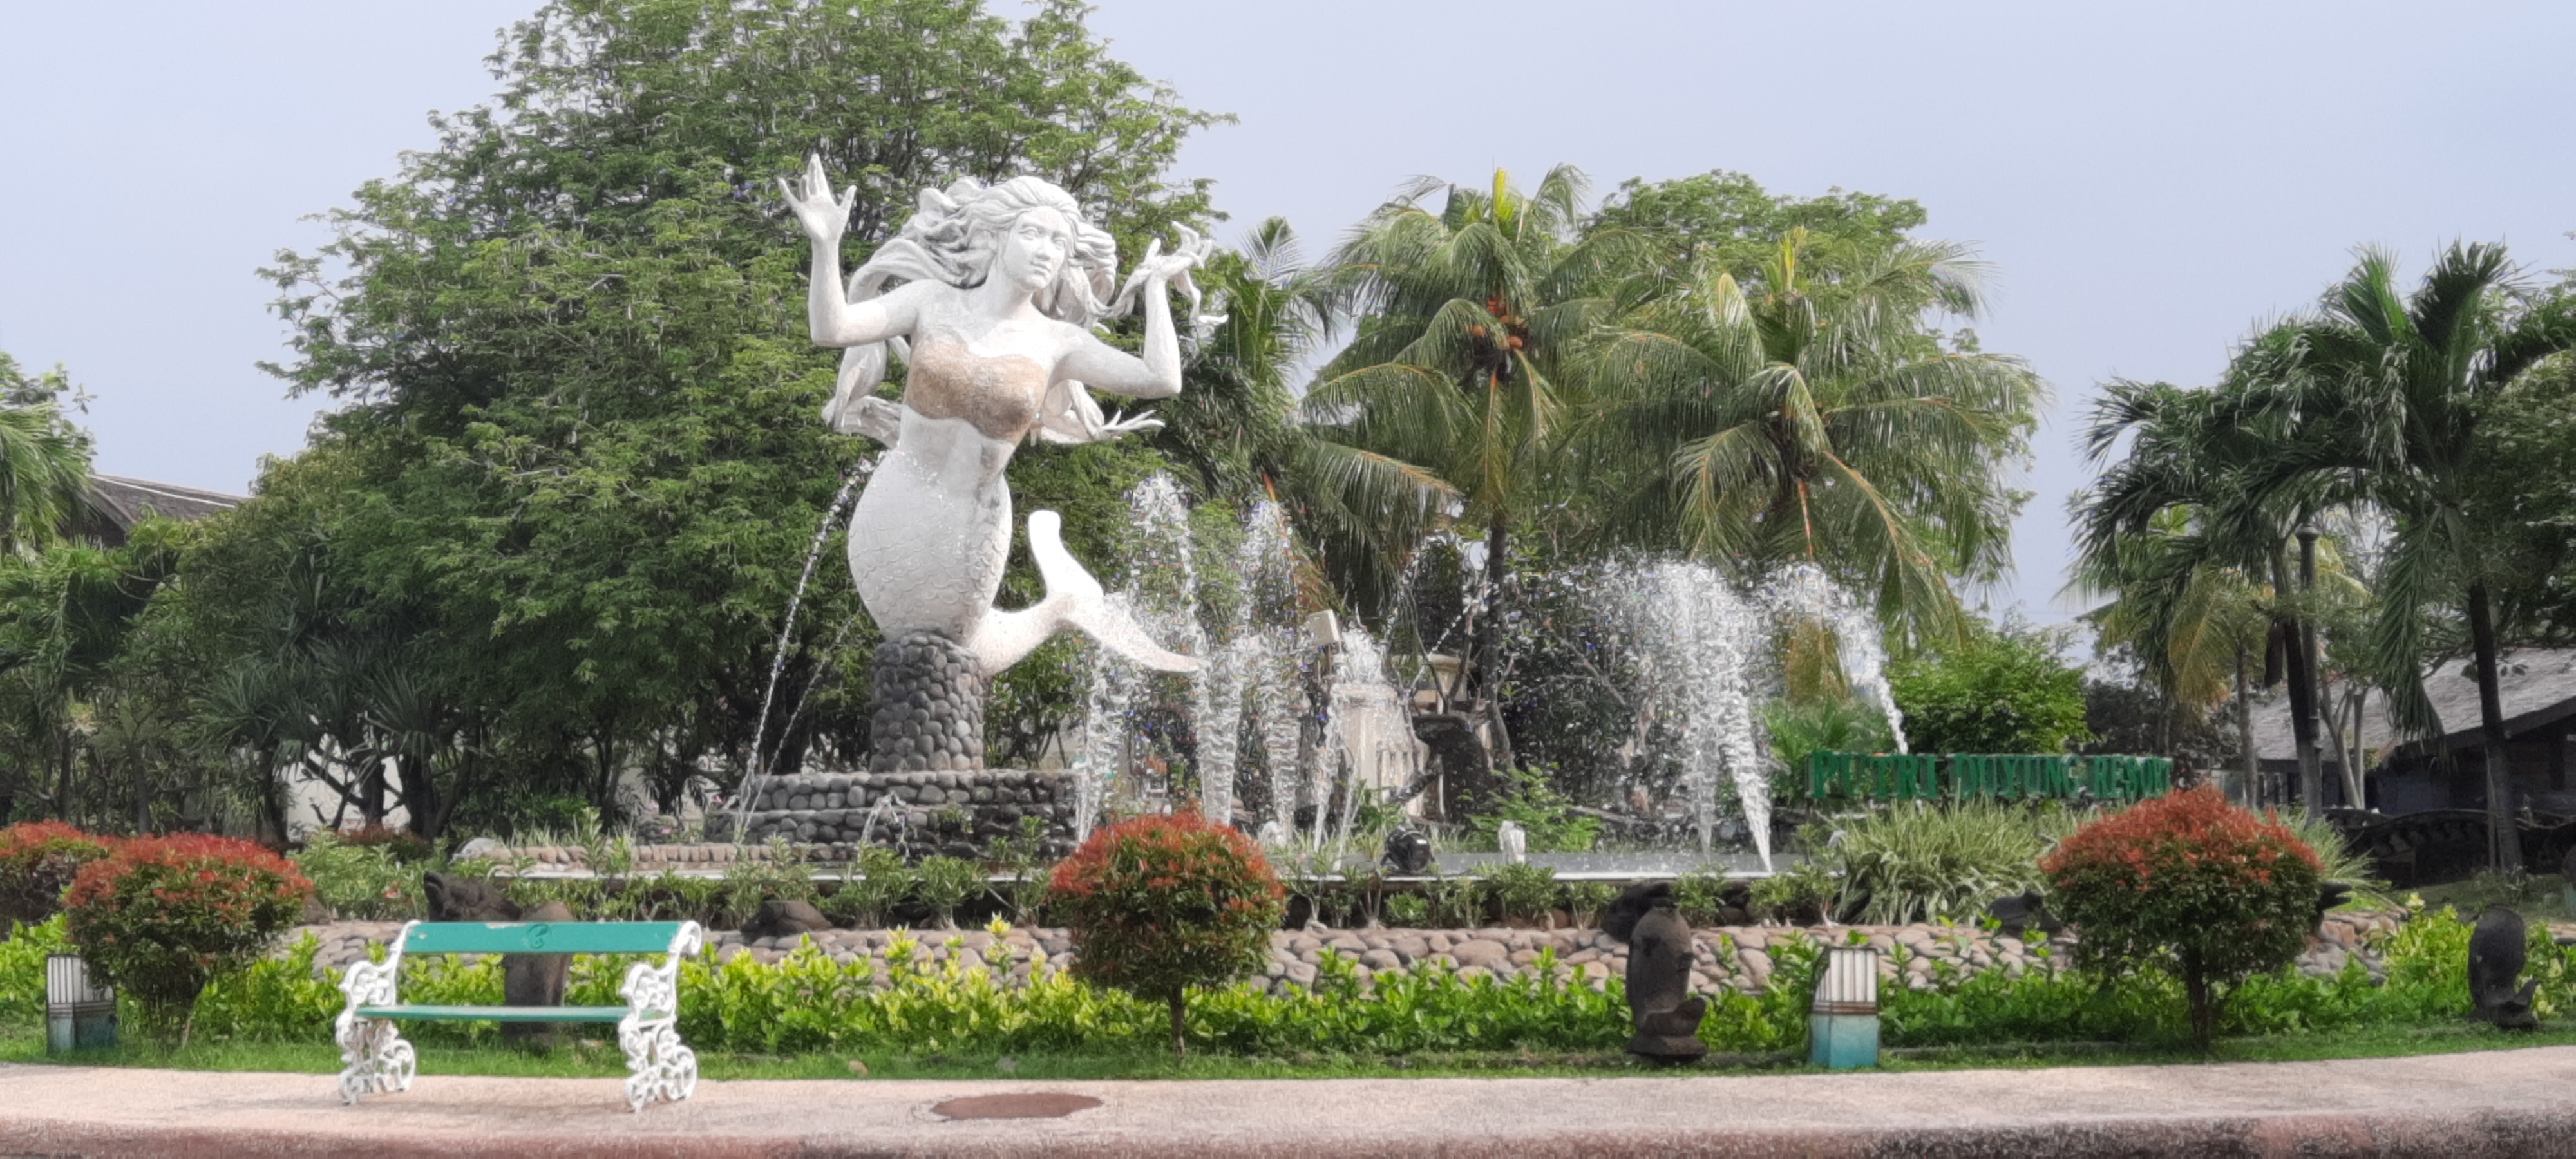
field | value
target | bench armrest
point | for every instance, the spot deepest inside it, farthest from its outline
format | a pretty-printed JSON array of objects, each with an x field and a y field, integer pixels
[
  {"x": 372, "y": 1056},
  {"x": 658, "y": 1064}
]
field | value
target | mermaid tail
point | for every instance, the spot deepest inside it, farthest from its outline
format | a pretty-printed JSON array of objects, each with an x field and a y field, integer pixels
[{"x": 1073, "y": 600}]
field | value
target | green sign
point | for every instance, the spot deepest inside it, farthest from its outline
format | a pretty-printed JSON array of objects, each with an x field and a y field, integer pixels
[{"x": 1968, "y": 776}]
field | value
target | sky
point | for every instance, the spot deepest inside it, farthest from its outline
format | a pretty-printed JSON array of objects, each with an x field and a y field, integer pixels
[{"x": 2148, "y": 182}]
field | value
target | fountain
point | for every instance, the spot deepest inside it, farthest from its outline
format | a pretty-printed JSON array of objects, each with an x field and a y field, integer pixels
[
  {"x": 1704, "y": 652},
  {"x": 1252, "y": 674},
  {"x": 1803, "y": 591}
]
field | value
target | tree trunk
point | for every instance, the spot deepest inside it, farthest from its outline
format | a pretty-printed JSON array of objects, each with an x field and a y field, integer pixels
[
  {"x": 1489, "y": 646},
  {"x": 63, "y": 779},
  {"x": 2204, "y": 1007},
  {"x": 2245, "y": 731},
  {"x": 142, "y": 795},
  {"x": 1180, "y": 1041},
  {"x": 2303, "y": 720},
  {"x": 2504, "y": 841}
]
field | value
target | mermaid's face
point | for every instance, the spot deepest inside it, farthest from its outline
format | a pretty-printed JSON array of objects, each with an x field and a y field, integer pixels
[{"x": 1033, "y": 249}]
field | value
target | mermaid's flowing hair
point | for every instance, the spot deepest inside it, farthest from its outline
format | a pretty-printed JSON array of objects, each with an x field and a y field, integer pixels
[{"x": 952, "y": 237}]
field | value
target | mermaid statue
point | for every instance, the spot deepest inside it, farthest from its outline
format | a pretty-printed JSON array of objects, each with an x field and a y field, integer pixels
[{"x": 988, "y": 294}]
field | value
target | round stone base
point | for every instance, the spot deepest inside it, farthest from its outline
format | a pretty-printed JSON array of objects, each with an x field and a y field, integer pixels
[{"x": 929, "y": 706}]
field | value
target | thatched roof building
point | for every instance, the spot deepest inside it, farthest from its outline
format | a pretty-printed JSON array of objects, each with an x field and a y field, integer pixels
[{"x": 2538, "y": 689}]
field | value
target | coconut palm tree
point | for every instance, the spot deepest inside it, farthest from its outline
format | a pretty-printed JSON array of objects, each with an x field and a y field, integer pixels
[
  {"x": 1469, "y": 314},
  {"x": 2188, "y": 516},
  {"x": 1237, "y": 423},
  {"x": 44, "y": 459},
  {"x": 1815, "y": 419}
]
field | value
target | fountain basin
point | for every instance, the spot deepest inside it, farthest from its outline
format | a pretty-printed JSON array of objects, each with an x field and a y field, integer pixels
[{"x": 952, "y": 813}]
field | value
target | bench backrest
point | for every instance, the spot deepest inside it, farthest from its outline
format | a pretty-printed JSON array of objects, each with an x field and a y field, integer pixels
[{"x": 541, "y": 937}]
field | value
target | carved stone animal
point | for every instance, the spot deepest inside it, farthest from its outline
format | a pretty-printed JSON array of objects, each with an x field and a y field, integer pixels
[
  {"x": 1407, "y": 852},
  {"x": 526, "y": 979},
  {"x": 2331, "y": 894},
  {"x": 1661, "y": 1007},
  {"x": 2496, "y": 950},
  {"x": 2023, "y": 910},
  {"x": 786, "y": 918}
]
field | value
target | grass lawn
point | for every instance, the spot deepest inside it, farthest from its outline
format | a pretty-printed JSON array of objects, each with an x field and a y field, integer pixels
[{"x": 600, "y": 1059}]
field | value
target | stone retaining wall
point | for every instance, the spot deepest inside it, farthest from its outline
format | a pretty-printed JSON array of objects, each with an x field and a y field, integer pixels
[
  {"x": 1737, "y": 957},
  {"x": 959, "y": 814}
]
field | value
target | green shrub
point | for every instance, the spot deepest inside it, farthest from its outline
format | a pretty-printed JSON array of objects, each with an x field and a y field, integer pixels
[
  {"x": 943, "y": 883},
  {"x": 359, "y": 882},
  {"x": 867, "y": 901},
  {"x": 1019, "y": 860},
  {"x": 1584, "y": 901},
  {"x": 1801, "y": 894},
  {"x": 1700, "y": 897},
  {"x": 1521, "y": 892},
  {"x": 1914, "y": 862},
  {"x": 163, "y": 916},
  {"x": 1407, "y": 909},
  {"x": 1451, "y": 901},
  {"x": 2190, "y": 886},
  {"x": 38, "y": 860},
  {"x": 22, "y": 969},
  {"x": 1160, "y": 904},
  {"x": 2004, "y": 690}
]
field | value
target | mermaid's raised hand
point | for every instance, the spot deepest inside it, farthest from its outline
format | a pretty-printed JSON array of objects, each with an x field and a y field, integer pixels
[{"x": 822, "y": 215}]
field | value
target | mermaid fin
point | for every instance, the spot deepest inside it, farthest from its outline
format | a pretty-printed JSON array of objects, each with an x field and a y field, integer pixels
[{"x": 1073, "y": 600}]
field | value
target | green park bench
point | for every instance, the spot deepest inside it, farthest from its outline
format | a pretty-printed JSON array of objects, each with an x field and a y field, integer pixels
[{"x": 658, "y": 1066}]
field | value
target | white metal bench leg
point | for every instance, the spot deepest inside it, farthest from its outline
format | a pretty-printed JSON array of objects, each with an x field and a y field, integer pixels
[
  {"x": 373, "y": 1055},
  {"x": 658, "y": 1065},
  {"x": 374, "y": 1058}
]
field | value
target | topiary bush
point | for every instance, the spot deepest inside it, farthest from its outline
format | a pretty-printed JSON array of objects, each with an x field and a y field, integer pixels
[
  {"x": 1160, "y": 904},
  {"x": 2190, "y": 886},
  {"x": 38, "y": 860},
  {"x": 161, "y": 917}
]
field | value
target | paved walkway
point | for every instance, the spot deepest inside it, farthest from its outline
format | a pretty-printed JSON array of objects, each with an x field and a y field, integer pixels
[{"x": 2510, "y": 1103}]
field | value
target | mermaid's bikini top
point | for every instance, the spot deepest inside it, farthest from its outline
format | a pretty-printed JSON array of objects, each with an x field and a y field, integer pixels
[{"x": 998, "y": 394}]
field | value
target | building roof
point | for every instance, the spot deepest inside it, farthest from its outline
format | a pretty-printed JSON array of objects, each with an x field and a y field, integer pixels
[
  {"x": 2537, "y": 687},
  {"x": 118, "y": 503}
]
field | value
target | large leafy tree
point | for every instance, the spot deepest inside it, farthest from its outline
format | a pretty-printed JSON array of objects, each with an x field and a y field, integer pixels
[
  {"x": 1810, "y": 416},
  {"x": 1735, "y": 224},
  {"x": 581, "y": 455}
]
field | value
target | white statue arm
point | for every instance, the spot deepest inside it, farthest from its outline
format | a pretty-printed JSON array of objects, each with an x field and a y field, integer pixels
[
  {"x": 834, "y": 319},
  {"x": 1157, "y": 374}
]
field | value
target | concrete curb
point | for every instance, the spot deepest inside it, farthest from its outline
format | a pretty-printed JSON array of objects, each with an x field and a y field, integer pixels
[{"x": 2504, "y": 1103}]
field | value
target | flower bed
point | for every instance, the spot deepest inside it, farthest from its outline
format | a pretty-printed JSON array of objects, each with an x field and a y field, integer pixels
[{"x": 1735, "y": 957}]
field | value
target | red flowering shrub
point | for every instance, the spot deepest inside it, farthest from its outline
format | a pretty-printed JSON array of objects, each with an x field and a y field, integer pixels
[
  {"x": 2190, "y": 885},
  {"x": 161, "y": 917},
  {"x": 38, "y": 860},
  {"x": 1163, "y": 903}
]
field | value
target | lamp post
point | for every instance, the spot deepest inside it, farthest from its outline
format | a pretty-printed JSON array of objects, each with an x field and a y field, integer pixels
[{"x": 2311, "y": 765}]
